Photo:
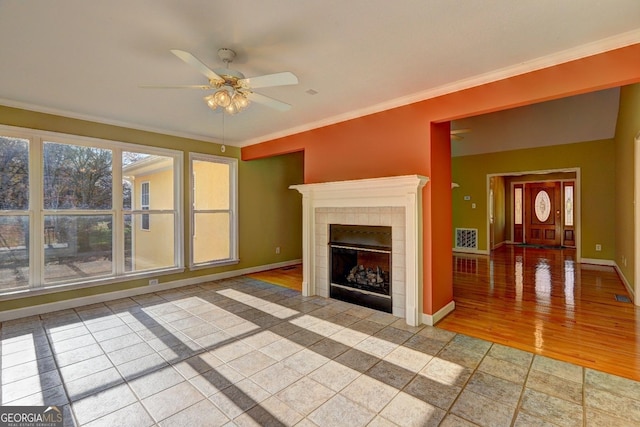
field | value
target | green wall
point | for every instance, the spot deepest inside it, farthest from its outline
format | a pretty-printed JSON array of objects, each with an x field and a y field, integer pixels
[
  {"x": 627, "y": 128},
  {"x": 596, "y": 160},
  {"x": 270, "y": 214}
]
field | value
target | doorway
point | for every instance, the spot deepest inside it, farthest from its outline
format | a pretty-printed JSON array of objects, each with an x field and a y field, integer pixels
[{"x": 538, "y": 208}]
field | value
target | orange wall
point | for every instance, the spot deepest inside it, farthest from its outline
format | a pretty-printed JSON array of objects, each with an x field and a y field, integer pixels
[{"x": 403, "y": 141}]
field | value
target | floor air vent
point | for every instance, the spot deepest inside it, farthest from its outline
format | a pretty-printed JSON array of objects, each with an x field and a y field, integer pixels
[
  {"x": 467, "y": 238},
  {"x": 622, "y": 298}
]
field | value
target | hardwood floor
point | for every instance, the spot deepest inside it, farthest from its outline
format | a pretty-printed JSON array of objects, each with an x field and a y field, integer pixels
[
  {"x": 539, "y": 301},
  {"x": 543, "y": 302},
  {"x": 289, "y": 277}
]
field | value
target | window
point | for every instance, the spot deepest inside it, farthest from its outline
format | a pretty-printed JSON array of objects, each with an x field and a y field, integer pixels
[
  {"x": 568, "y": 204},
  {"x": 214, "y": 222},
  {"x": 517, "y": 201},
  {"x": 66, "y": 210},
  {"x": 144, "y": 204},
  {"x": 14, "y": 213}
]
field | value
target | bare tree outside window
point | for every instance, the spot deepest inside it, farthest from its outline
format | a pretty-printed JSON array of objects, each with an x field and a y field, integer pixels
[{"x": 14, "y": 204}]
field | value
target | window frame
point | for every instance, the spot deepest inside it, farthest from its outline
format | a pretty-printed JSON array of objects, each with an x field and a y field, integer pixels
[
  {"x": 144, "y": 219},
  {"x": 233, "y": 210},
  {"x": 36, "y": 212}
]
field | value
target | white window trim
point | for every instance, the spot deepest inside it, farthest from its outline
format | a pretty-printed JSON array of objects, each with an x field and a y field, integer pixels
[
  {"x": 36, "y": 213},
  {"x": 145, "y": 207},
  {"x": 233, "y": 210}
]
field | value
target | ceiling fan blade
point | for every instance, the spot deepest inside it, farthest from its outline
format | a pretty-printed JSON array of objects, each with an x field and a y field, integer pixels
[
  {"x": 459, "y": 131},
  {"x": 269, "y": 102},
  {"x": 278, "y": 79},
  {"x": 203, "y": 87},
  {"x": 196, "y": 63}
]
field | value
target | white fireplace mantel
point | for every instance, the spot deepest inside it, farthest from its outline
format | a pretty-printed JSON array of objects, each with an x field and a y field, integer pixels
[{"x": 389, "y": 192}]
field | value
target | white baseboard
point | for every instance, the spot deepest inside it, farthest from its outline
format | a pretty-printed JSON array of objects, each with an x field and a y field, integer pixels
[
  {"x": 626, "y": 283},
  {"x": 596, "y": 261},
  {"x": 470, "y": 251},
  {"x": 432, "y": 319},
  {"x": 110, "y": 296}
]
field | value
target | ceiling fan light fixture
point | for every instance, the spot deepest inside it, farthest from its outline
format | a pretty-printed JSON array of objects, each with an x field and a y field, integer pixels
[
  {"x": 240, "y": 100},
  {"x": 222, "y": 98},
  {"x": 211, "y": 102},
  {"x": 231, "y": 108}
]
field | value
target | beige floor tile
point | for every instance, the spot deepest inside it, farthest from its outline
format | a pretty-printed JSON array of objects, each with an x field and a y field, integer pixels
[
  {"x": 433, "y": 392},
  {"x": 555, "y": 386},
  {"x": 552, "y": 409},
  {"x": 276, "y": 377},
  {"x": 305, "y": 361},
  {"x": 239, "y": 397},
  {"x": 281, "y": 349},
  {"x": 305, "y": 395},
  {"x": 334, "y": 375},
  {"x": 122, "y": 361},
  {"x": 166, "y": 403},
  {"x": 408, "y": 358},
  {"x": 134, "y": 414},
  {"x": 406, "y": 410},
  {"x": 103, "y": 403},
  {"x": 271, "y": 412},
  {"x": 498, "y": 389},
  {"x": 340, "y": 411},
  {"x": 446, "y": 372},
  {"x": 154, "y": 382},
  {"x": 504, "y": 369},
  {"x": 557, "y": 368},
  {"x": 357, "y": 360},
  {"x": 482, "y": 410},
  {"x": 369, "y": 392},
  {"x": 613, "y": 404},
  {"x": 203, "y": 413},
  {"x": 251, "y": 363},
  {"x": 216, "y": 379}
]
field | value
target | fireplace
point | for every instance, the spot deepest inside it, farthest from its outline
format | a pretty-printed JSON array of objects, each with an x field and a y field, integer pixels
[
  {"x": 360, "y": 265},
  {"x": 393, "y": 202}
]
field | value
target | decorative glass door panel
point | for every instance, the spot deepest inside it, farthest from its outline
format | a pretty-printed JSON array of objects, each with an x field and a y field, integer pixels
[{"x": 543, "y": 213}]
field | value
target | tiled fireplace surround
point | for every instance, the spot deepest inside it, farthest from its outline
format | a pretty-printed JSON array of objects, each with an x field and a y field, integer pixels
[{"x": 394, "y": 202}]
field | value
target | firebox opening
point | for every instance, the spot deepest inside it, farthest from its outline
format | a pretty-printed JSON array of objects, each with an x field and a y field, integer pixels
[{"x": 361, "y": 265}]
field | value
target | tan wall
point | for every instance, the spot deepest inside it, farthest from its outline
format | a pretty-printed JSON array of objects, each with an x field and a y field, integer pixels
[{"x": 627, "y": 128}]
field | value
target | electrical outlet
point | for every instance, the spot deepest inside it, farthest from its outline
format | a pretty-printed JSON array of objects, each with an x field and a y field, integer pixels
[
  {"x": 277, "y": 249},
  {"x": 153, "y": 282},
  {"x": 598, "y": 247}
]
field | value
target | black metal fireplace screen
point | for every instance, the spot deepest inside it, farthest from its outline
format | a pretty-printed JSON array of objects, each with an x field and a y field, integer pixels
[{"x": 361, "y": 265}]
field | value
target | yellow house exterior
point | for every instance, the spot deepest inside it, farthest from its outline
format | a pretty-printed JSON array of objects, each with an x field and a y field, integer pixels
[{"x": 151, "y": 246}]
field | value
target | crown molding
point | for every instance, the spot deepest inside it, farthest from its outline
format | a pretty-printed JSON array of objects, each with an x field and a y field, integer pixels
[
  {"x": 101, "y": 120},
  {"x": 583, "y": 51},
  {"x": 611, "y": 43}
]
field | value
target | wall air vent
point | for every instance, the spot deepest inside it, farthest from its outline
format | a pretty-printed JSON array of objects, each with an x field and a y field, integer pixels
[{"x": 467, "y": 238}]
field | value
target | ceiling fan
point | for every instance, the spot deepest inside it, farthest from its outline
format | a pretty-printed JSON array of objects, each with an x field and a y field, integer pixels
[
  {"x": 456, "y": 134},
  {"x": 233, "y": 91}
]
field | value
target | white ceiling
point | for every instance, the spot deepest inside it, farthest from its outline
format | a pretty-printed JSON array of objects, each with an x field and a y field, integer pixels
[
  {"x": 587, "y": 117},
  {"x": 87, "y": 59}
]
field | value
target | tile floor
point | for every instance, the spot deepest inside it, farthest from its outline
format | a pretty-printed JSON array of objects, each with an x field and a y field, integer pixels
[{"x": 243, "y": 352}]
